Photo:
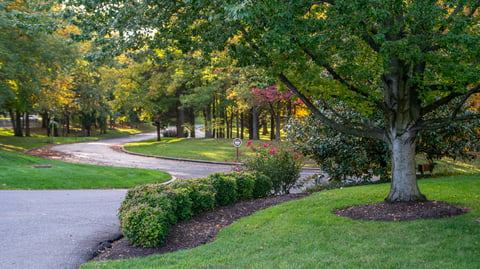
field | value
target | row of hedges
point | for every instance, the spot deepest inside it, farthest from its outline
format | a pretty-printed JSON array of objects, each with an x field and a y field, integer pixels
[{"x": 148, "y": 211}]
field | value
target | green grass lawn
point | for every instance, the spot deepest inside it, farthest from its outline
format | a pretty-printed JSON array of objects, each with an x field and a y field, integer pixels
[
  {"x": 17, "y": 171},
  {"x": 305, "y": 234},
  {"x": 449, "y": 167},
  {"x": 206, "y": 149}
]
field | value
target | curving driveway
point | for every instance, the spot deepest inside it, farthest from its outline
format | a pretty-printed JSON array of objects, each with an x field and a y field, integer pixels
[
  {"x": 61, "y": 229},
  {"x": 101, "y": 152}
]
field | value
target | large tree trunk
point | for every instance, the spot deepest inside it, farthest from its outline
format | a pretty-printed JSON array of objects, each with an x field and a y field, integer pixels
[
  {"x": 404, "y": 186},
  {"x": 242, "y": 125},
  {"x": 16, "y": 122},
  {"x": 159, "y": 134},
  {"x": 192, "y": 123},
  {"x": 272, "y": 125},
  {"x": 402, "y": 100},
  {"x": 180, "y": 122},
  {"x": 277, "y": 126}
]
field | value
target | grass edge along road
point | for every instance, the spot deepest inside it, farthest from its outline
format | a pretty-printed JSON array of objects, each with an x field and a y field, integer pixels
[
  {"x": 305, "y": 234},
  {"x": 17, "y": 171},
  {"x": 204, "y": 149}
]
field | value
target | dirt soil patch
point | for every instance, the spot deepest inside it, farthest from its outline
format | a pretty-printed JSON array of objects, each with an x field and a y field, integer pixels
[
  {"x": 401, "y": 211},
  {"x": 47, "y": 153}
]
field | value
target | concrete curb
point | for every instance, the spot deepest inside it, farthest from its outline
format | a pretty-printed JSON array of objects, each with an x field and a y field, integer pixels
[
  {"x": 174, "y": 159},
  {"x": 122, "y": 148}
]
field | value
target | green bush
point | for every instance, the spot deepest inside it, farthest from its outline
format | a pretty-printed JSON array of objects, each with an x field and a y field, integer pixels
[
  {"x": 282, "y": 164},
  {"x": 225, "y": 188},
  {"x": 200, "y": 191},
  {"x": 153, "y": 195},
  {"x": 263, "y": 186},
  {"x": 148, "y": 210},
  {"x": 141, "y": 194},
  {"x": 245, "y": 185},
  {"x": 144, "y": 225},
  {"x": 182, "y": 203}
]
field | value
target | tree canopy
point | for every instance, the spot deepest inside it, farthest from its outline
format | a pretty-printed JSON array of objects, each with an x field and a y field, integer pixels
[{"x": 403, "y": 60}]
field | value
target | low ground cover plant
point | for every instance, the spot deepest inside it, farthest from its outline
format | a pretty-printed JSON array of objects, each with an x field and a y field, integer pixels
[{"x": 149, "y": 210}]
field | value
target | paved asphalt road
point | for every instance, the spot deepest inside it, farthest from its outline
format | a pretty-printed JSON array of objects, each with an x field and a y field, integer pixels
[
  {"x": 61, "y": 229},
  {"x": 100, "y": 152},
  {"x": 55, "y": 229}
]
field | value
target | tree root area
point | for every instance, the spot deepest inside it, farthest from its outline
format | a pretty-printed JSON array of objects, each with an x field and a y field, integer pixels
[{"x": 401, "y": 211}]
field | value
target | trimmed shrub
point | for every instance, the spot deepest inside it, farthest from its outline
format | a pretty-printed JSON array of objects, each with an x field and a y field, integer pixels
[
  {"x": 182, "y": 203},
  {"x": 225, "y": 188},
  {"x": 144, "y": 189},
  {"x": 245, "y": 185},
  {"x": 148, "y": 210},
  {"x": 141, "y": 194},
  {"x": 263, "y": 186},
  {"x": 153, "y": 196},
  {"x": 201, "y": 192},
  {"x": 144, "y": 225}
]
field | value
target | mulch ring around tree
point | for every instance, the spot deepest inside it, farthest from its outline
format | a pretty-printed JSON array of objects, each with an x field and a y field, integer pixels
[
  {"x": 202, "y": 229},
  {"x": 401, "y": 211}
]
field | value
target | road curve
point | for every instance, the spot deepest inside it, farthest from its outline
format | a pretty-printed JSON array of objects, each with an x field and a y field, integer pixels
[
  {"x": 62, "y": 228},
  {"x": 102, "y": 153}
]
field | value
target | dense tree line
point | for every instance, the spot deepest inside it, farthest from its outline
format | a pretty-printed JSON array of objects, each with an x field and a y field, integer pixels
[
  {"x": 399, "y": 68},
  {"x": 45, "y": 72},
  {"x": 403, "y": 60}
]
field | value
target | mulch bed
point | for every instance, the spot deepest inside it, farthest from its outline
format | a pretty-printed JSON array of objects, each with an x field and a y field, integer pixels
[
  {"x": 47, "y": 153},
  {"x": 203, "y": 229},
  {"x": 198, "y": 231},
  {"x": 401, "y": 211}
]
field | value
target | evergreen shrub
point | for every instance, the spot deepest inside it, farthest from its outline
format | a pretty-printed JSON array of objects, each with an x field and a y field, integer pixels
[
  {"x": 225, "y": 188},
  {"x": 148, "y": 210},
  {"x": 200, "y": 191},
  {"x": 245, "y": 185},
  {"x": 263, "y": 186},
  {"x": 145, "y": 226}
]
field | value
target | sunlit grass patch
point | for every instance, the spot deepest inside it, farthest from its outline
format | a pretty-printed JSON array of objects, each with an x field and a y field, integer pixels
[{"x": 18, "y": 171}]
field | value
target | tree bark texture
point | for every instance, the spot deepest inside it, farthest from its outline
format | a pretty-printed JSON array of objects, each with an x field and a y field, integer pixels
[
  {"x": 403, "y": 102},
  {"x": 404, "y": 187}
]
